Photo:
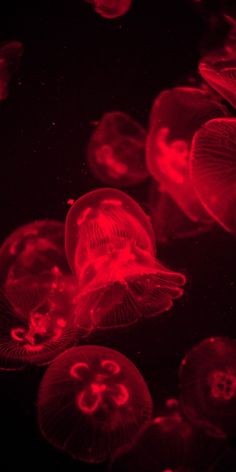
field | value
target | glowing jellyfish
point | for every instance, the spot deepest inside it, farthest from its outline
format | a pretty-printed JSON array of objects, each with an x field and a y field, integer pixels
[
  {"x": 10, "y": 54},
  {"x": 111, "y": 9},
  {"x": 168, "y": 220},
  {"x": 208, "y": 384},
  {"x": 175, "y": 117},
  {"x": 213, "y": 169},
  {"x": 116, "y": 152},
  {"x": 110, "y": 246},
  {"x": 92, "y": 401},
  {"x": 167, "y": 444},
  {"x": 26, "y": 255},
  {"x": 44, "y": 331}
]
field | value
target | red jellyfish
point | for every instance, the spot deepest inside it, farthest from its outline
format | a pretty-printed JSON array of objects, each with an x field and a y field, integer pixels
[
  {"x": 116, "y": 152},
  {"x": 10, "y": 54},
  {"x": 169, "y": 443},
  {"x": 208, "y": 384},
  {"x": 176, "y": 115},
  {"x": 27, "y": 257},
  {"x": 213, "y": 170},
  {"x": 111, "y": 249},
  {"x": 111, "y": 9},
  {"x": 92, "y": 401}
]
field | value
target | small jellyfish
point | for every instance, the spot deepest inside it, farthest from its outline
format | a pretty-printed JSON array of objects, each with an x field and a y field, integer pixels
[
  {"x": 111, "y": 9},
  {"x": 116, "y": 151},
  {"x": 213, "y": 170},
  {"x": 10, "y": 54},
  {"x": 110, "y": 246},
  {"x": 208, "y": 384},
  {"x": 92, "y": 401},
  {"x": 44, "y": 331},
  {"x": 170, "y": 443},
  {"x": 29, "y": 252},
  {"x": 169, "y": 139},
  {"x": 168, "y": 220}
]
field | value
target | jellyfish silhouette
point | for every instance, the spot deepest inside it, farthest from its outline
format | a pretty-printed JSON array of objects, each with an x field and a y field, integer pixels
[
  {"x": 29, "y": 252},
  {"x": 111, "y": 9},
  {"x": 213, "y": 170},
  {"x": 110, "y": 246},
  {"x": 208, "y": 384},
  {"x": 170, "y": 443},
  {"x": 44, "y": 331},
  {"x": 116, "y": 151},
  {"x": 92, "y": 401},
  {"x": 218, "y": 67},
  {"x": 168, "y": 220},
  {"x": 10, "y": 54},
  {"x": 169, "y": 139}
]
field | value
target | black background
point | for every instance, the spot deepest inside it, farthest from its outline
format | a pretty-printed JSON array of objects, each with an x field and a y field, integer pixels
[{"x": 75, "y": 67}]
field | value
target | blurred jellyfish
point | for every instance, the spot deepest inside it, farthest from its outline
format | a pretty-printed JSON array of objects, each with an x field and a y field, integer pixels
[
  {"x": 10, "y": 54},
  {"x": 92, "y": 401},
  {"x": 110, "y": 246},
  {"x": 168, "y": 220},
  {"x": 116, "y": 152},
  {"x": 208, "y": 384},
  {"x": 213, "y": 170},
  {"x": 111, "y": 9},
  {"x": 175, "y": 117},
  {"x": 30, "y": 252},
  {"x": 170, "y": 443}
]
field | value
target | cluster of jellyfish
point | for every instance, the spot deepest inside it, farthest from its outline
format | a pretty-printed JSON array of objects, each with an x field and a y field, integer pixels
[{"x": 61, "y": 282}]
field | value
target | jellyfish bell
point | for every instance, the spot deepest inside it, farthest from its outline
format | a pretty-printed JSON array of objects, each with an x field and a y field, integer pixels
[
  {"x": 43, "y": 332},
  {"x": 213, "y": 170},
  {"x": 116, "y": 151},
  {"x": 92, "y": 401},
  {"x": 10, "y": 54},
  {"x": 169, "y": 140},
  {"x": 110, "y": 246},
  {"x": 111, "y": 9},
  {"x": 208, "y": 384}
]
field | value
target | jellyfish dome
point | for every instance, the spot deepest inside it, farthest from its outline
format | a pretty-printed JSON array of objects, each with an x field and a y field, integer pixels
[
  {"x": 208, "y": 384},
  {"x": 116, "y": 151},
  {"x": 10, "y": 54},
  {"x": 213, "y": 170},
  {"x": 169, "y": 139},
  {"x": 110, "y": 246},
  {"x": 28, "y": 253},
  {"x": 111, "y": 9},
  {"x": 92, "y": 401},
  {"x": 44, "y": 331}
]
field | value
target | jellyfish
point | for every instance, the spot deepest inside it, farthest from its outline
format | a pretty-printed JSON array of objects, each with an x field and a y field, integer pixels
[
  {"x": 110, "y": 246},
  {"x": 116, "y": 151},
  {"x": 44, "y": 331},
  {"x": 213, "y": 170},
  {"x": 111, "y": 9},
  {"x": 208, "y": 384},
  {"x": 169, "y": 139},
  {"x": 30, "y": 252},
  {"x": 170, "y": 443},
  {"x": 168, "y": 220},
  {"x": 92, "y": 401},
  {"x": 10, "y": 54}
]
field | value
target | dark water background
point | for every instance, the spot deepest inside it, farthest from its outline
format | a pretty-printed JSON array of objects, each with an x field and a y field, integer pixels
[{"x": 75, "y": 67}]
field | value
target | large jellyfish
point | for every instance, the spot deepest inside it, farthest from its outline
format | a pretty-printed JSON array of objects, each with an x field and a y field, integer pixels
[
  {"x": 175, "y": 117},
  {"x": 111, "y": 9},
  {"x": 110, "y": 247},
  {"x": 116, "y": 151},
  {"x": 92, "y": 401},
  {"x": 208, "y": 384},
  {"x": 10, "y": 54},
  {"x": 213, "y": 170}
]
